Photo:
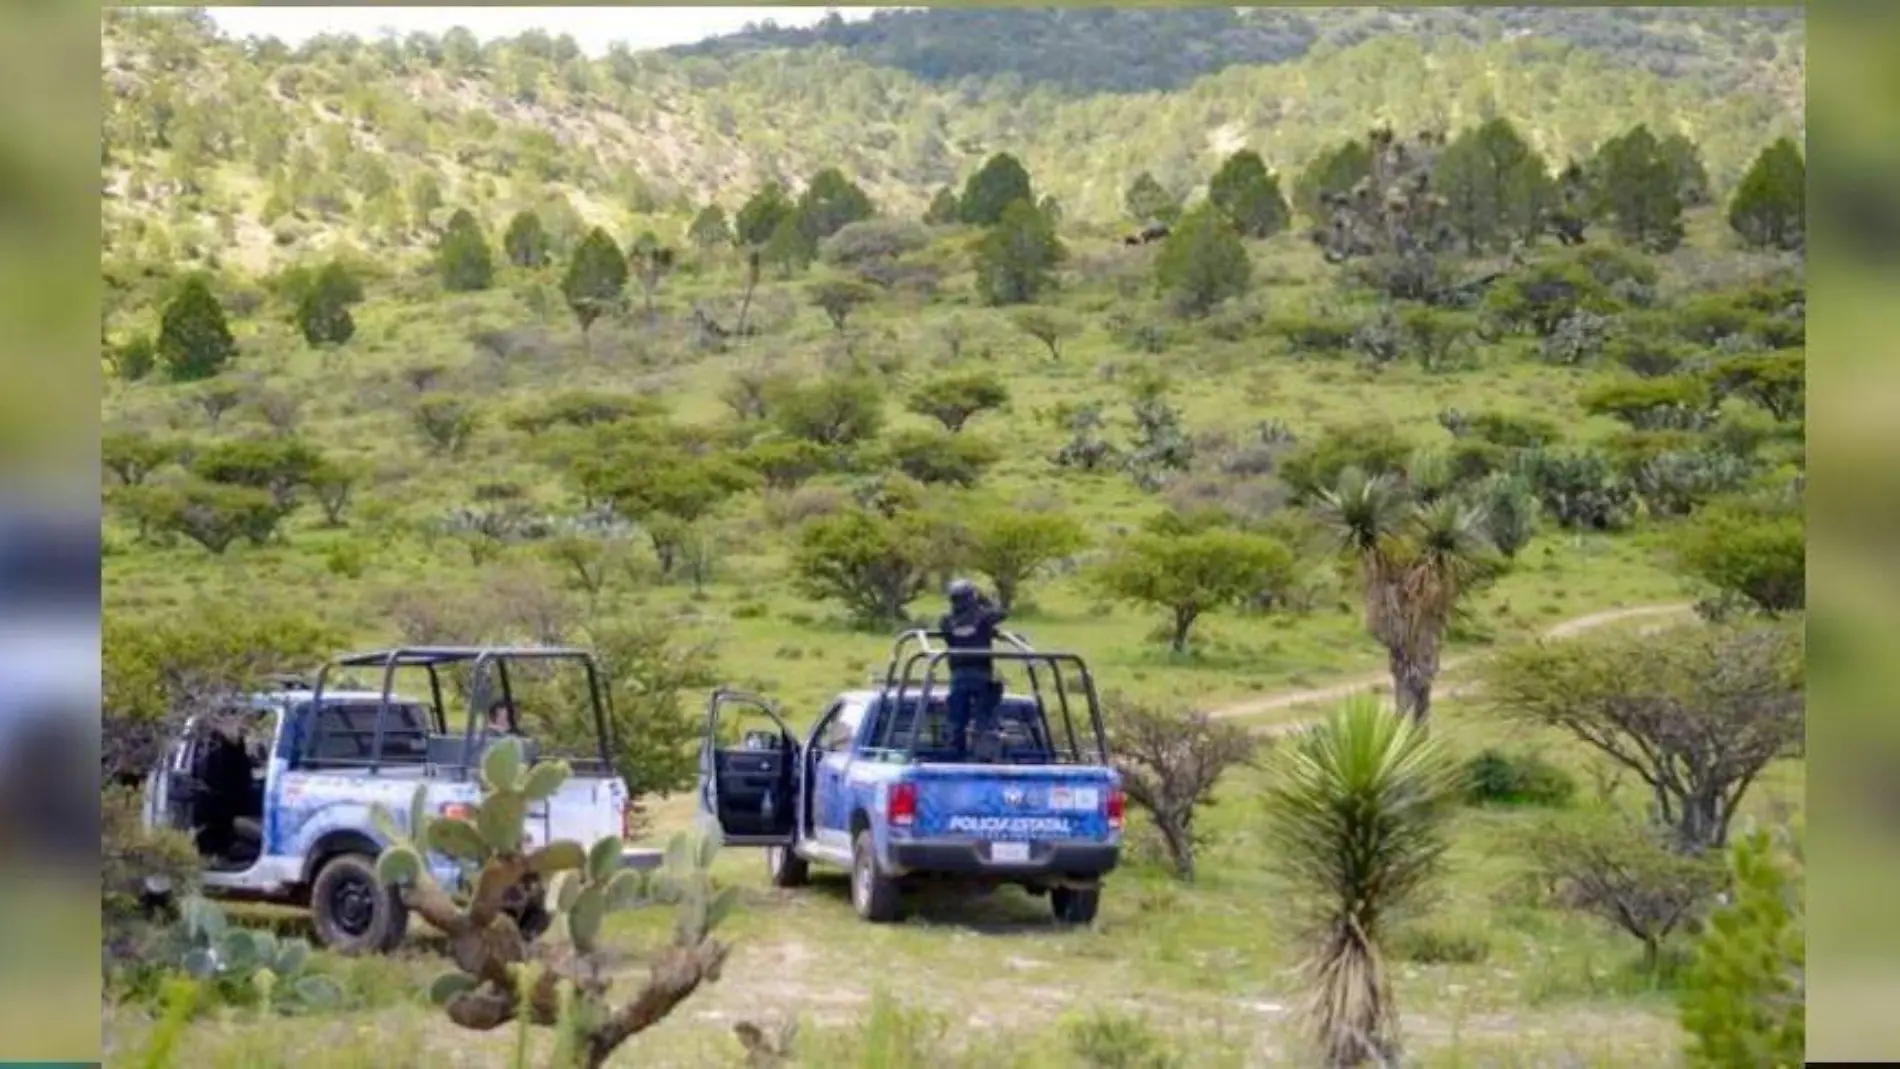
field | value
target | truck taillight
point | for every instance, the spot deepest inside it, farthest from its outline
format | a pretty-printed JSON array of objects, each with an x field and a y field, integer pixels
[
  {"x": 1117, "y": 806},
  {"x": 903, "y": 804},
  {"x": 459, "y": 811}
]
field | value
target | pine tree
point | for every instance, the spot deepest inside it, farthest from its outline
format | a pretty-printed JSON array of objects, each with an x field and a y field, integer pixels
[
  {"x": 1769, "y": 209},
  {"x": 710, "y": 230},
  {"x": 991, "y": 191},
  {"x": 1203, "y": 262},
  {"x": 759, "y": 218},
  {"x": 1249, "y": 196},
  {"x": 526, "y": 243},
  {"x": 1147, "y": 200},
  {"x": 596, "y": 279},
  {"x": 194, "y": 342},
  {"x": 1496, "y": 187},
  {"x": 792, "y": 247},
  {"x": 830, "y": 202},
  {"x": 462, "y": 259},
  {"x": 323, "y": 310},
  {"x": 1017, "y": 258},
  {"x": 1685, "y": 162},
  {"x": 1636, "y": 190}
]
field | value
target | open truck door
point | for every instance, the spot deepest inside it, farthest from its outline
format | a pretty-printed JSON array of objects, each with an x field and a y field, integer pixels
[{"x": 748, "y": 781}]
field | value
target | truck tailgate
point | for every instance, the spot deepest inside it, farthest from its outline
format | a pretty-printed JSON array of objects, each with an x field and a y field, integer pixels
[{"x": 1036, "y": 803}]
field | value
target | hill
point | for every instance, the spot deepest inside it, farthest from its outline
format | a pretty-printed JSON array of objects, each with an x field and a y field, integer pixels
[
  {"x": 418, "y": 341},
  {"x": 1095, "y": 50},
  {"x": 272, "y": 151}
]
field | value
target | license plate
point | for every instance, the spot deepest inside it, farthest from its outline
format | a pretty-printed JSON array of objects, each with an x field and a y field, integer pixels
[{"x": 1005, "y": 852}]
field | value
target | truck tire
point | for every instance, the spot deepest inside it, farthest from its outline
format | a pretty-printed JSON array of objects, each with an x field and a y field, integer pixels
[
  {"x": 352, "y": 911},
  {"x": 873, "y": 894},
  {"x": 786, "y": 868},
  {"x": 1075, "y": 905}
]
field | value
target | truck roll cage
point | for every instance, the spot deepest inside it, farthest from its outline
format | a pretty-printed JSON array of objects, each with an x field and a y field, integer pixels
[
  {"x": 930, "y": 652},
  {"x": 431, "y": 658}
]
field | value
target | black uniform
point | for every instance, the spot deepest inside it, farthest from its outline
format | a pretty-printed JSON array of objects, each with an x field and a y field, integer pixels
[{"x": 971, "y": 624}]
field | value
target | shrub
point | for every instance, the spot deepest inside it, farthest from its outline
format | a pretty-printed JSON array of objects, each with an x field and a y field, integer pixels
[
  {"x": 1743, "y": 1000},
  {"x": 1432, "y": 944},
  {"x": 1107, "y": 1039},
  {"x": 1757, "y": 551},
  {"x": 1494, "y": 777}
]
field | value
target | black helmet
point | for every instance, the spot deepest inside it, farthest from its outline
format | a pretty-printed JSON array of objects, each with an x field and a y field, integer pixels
[{"x": 961, "y": 591}]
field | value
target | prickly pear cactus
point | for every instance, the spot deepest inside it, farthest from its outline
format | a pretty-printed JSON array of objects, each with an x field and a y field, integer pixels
[
  {"x": 557, "y": 982},
  {"x": 237, "y": 958}
]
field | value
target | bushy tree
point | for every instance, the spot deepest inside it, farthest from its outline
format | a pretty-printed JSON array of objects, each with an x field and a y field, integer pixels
[
  {"x": 874, "y": 564},
  {"x": 1170, "y": 762},
  {"x": 792, "y": 247},
  {"x": 526, "y": 242},
  {"x": 1637, "y": 191},
  {"x": 944, "y": 208},
  {"x": 651, "y": 263},
  {"x": 1189, "y": 575},
  {"x": 833, "y": 411},
  {"x": 462, "y": 259},
  {"x": 1776, "y": 381},
  {"x": 830, "y": 202},
  {"x": 194, "y": 341},
  {"x": 1497, "y": 189},
  {"x": 1755, "y": 551},
  {"x": 1769, "y": 208},
  {"x": 1248, "y": 196},
  {"x": 1685, "y": 162},
  {"x": 1049, "y": 326},
  {"x": 1743, "y": 998},
  {"x": 1332, "y": 173},
  {"x": 596, "y": 279},
  {"x": 933, "y": 456},
  {"x": 1147, "y": 200},
  {"x": 1203, "y": 262},
  {"x": 1016, "y": 259},
  {"x": 993, "y": 189},
  {"x": 1010, "y": 546},
  {"x": 761, "y": 215},
  {"x": 710, "y": 229},
  {"x": 323, "y": 311},
  {"x": 953, "y": 400},
  {"x": 839, "y": 297}
]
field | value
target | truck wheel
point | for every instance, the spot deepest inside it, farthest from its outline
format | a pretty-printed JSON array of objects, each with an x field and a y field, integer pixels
[
  {"x": 352, "y": 911},
  {"x": 786, "y": 868},
  {"x": 1075, "y": 906},
  {"x": 873, "y": 893}
]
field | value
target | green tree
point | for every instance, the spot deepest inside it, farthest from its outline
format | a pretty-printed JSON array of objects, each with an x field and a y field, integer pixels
[
  {"x": 1049, "y": 326},
  {"x": 214, "y": 515},
  {"x": 762, "y": 214},
  {"x": 1016, "y": 259},
  {"x": 1685, "y": 162},
  {"x": 830, "y": 202},
  {"x": 1743, "y": 998},
  {"x": 1769, "y": 208},
  {"x": 1333, "y": 171},
  {"x": 462, "y": 259},
  {"x": 1636, "y": 190},
  {"x": 1010, "y": 546},
  {"x": 1416, "y": 560},
  {"x": 944, "y": 208},
  {"x": 839, "y": 297},
  {"x": 526, "y": 243},
  {"x": 710, "y": 230},
  {"x": 667, "y": 491},
  {"x": 792, "y": 247},
  {"x": 953, "y": 400},
  {"x": 1149, "y": 201},
  {"x": 1170, "y": 761},
  {"x": 651, "y": 263},
  {"x": 1775, "y": 381},
  {"x": 1357, "y": 812},
  {"x": 1249, "y": 196},
  {"x": 657, "y": 717},
  {"x": 1202, "y": 263},
  {"x": 1497, "y": 188},
  {"x": 993, "y": 190},
  {"x": 1189, "y": 575},
  {"x": 596, "y": 279},
  {"x": 874, "y": 564},
  {"x": 193, "y": 340},
  {"x": 1755, "y": 551},
  {"x": 932, "y": 456},
  {"x": 133, "y": 456},
  {"x": 323, "y": 311},
  {"x": 834, "y": 411}
]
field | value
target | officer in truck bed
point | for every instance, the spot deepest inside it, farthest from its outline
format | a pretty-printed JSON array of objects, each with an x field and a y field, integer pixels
[{"x": 970, "y": 624}]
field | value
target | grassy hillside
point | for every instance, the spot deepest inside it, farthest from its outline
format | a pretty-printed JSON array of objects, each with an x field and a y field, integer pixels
[
  {"x": 428, "y": 477},
  {"x": 262, "y": 152}
]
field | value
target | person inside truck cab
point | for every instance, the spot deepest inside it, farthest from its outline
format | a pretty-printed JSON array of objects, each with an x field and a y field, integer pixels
[
  {"x": 970, "y": 624},
  {"x": 501, "y": 719}
]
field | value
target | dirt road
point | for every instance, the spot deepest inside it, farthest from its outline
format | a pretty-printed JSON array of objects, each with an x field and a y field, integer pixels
[{"x": 1334, "y": 692}]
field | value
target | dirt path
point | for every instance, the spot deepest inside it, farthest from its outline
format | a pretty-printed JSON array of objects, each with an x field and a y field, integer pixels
[{"x": 1334, "y": 692}]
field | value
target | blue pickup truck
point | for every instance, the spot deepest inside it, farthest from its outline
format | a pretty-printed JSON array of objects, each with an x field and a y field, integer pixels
[
  {"x": 279, "y": 786},
  {"x": 872, "y": 789}
]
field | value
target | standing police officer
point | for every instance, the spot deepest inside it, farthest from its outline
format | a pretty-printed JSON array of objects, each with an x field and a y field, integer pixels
[{"x": 970, "y": 624}]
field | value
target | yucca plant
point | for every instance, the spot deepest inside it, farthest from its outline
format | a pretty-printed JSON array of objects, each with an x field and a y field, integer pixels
[
  {"x": 1355, "y": 832},
  {"x": 1416, "y": 558}
]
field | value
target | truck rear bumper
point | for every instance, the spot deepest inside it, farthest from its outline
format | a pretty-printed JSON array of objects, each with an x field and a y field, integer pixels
[{"x": 1062, "y": 860}]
